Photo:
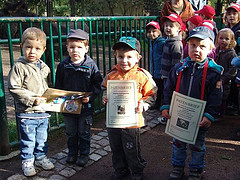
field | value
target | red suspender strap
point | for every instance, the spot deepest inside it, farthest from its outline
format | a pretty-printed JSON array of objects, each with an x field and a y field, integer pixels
[
  {"x": 204, "y": 79},
  {"x": 178, "y": 81}
]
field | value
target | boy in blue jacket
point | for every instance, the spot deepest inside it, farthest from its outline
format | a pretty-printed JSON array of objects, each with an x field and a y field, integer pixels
[
  {"x": 193, "y": 73},
  {"x": 154, "y": 34},
  {"x": 78, "y": 72}
]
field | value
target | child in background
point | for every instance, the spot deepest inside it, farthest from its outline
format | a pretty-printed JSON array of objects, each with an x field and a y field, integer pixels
[
  {"x": 27, "y": 81},
  {"x": 192, "y": 23},
  {"x": 189, "y": 75},
  {"x": 232, "y": 19},
  {"x": 208, "y": 13},
  {"x": 153, "y": 33},
  {"x": 225, "y": 43},
  {"x": 173, "y": 47},
  {"x": 78, "y": 72},
  {"x": 236, "y": 63},
  {"x": 125, "y": 142}
]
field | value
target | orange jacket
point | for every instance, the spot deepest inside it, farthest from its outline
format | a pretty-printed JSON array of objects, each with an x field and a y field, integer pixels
[
  {"x": 185, "y": 14},
  {"x": 147, "y": 88}
]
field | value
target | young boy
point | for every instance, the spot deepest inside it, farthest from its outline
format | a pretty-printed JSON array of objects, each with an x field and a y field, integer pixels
[
  {"x": 27, "y": 83},
  {"x": 208, "y": 13},
  {"x": 78, "y": 72},
  {"x": 124, "y": 142},
  {"x": 173, "y": 47},
  {"x": 153, "y": 33},
  {"x": 187, "y": 78}
]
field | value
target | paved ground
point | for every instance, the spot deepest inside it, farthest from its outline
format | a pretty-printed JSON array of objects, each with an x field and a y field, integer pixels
[{"x": 222, "y": 158}]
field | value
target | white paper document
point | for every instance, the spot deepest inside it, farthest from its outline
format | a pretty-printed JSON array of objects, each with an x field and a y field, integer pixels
[
  {"x": 122, "y": 102},
  {"x": 186, "y": 113}
]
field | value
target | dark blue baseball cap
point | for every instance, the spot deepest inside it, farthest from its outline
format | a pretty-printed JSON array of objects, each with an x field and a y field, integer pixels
[
  {"x": 201, "y": 32},
  {"x": 130, "y": 41},
  {"x": 78, "y": 34}
]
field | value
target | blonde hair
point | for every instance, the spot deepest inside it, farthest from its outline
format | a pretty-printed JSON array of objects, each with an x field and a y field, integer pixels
[
  {"x": 34, "y": 33},
  {"x": 229, "y": 32},
  {"x": 85, "y": 42}
]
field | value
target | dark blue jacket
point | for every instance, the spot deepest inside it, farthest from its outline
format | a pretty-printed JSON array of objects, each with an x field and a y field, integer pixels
[
  {"x": 191, "y": 83},
  {"x": 156, "y": 50},
  {"x": 84, "y": 77}
]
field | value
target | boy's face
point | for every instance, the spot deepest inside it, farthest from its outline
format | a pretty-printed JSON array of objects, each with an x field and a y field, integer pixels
[
  {"x": 198, "y": 49},
  {"x": 224, "y": 40},
  {"x": 232, "y": 16},
  {"x": 171, "y": 29},
  {"x": 33, "y": 49},
  {"x": 76, "y": 50},
  {"x": 153, "y": 33},
  {"x": 127, "y": 58}
]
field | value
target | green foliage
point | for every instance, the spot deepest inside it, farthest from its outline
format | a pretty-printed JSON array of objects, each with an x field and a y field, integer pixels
[{"x": 12, "y": 131}]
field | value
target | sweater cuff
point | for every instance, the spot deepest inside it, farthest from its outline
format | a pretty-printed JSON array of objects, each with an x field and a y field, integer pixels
[
  {"x": 209, "y": 117},
  {"x": 163, "y": 107}
]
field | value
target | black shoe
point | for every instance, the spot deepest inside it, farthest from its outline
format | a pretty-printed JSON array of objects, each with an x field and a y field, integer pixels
[
  {"x": 119, "y": 175},
  {"x": 82, "y": 160},
  {"x": 177, "y": 173},
  {"x": 71, "y": 159},
  {"x": 195, "y": 175}
]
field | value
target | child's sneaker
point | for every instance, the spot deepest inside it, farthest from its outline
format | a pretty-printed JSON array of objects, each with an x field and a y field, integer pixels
[
  {"x": 162, "y": 120},
  {"x": 45, "y": 163},
  {"x": 28, "y": 167},
  {"x": 177, "y": 173},
  {"x": 195, "y": 175}
]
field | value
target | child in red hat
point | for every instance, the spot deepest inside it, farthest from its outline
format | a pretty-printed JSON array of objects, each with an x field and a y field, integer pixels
[
  {"x": 157, "y": 42},
  {"x": 173, "y": 47}
]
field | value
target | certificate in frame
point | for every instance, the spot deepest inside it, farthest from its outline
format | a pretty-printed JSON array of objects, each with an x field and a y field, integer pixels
[
  {"x": 186, "y": 113},
  {"x": 122, "y": 102}
]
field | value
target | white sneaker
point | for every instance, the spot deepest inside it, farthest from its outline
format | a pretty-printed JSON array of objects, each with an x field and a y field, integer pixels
[
  {"x": 45, "y": 163},
  {"x": 162, "y": 120},
  {"x": 28, "y": 167}
]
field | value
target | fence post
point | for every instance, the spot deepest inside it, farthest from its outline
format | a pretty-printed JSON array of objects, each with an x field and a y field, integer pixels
[{"x": 4, "y": 143}]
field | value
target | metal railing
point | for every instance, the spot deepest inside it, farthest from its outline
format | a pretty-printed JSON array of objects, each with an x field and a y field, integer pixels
[{"x": 103, "y": 33}]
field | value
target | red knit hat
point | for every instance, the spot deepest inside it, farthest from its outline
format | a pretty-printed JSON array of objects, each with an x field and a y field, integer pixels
[
  {"x": 207, "y": 11},
  {"x": 154, "y": 24},
  {"x": 196, "y": 20}
]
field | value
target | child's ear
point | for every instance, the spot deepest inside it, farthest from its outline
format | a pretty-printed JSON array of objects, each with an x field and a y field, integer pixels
[{"x": 139, "y": 57}]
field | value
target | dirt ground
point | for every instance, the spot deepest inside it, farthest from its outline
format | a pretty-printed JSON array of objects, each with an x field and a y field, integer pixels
[{"x": 222, "y": 157}]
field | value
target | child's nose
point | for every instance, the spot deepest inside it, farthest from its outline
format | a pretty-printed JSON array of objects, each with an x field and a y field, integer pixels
[{"x": 33, "y": 50}]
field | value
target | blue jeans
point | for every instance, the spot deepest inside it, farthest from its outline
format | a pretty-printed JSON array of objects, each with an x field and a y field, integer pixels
[
  {"x": 33, "y": 132},
  {"x": 78, "y": 132},
  {"x": 198, "y": 151}
]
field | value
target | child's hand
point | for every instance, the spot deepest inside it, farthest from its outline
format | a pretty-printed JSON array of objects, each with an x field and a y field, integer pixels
[
  {"x": 165, "y": 113},
  {"x": 205, "y": 122},
  {"x": 139, "y": 108},
  {"x": 39, "y": 100},
  {"x": 104, "y": 100},
  {"x": 85, "y": 99}
]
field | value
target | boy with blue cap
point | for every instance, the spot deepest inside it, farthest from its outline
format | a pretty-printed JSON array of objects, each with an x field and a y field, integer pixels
[
  {"x": 124, "y": 142},
  {"x": 79, "y": 72},
  {"x": 199, "y": 77}
]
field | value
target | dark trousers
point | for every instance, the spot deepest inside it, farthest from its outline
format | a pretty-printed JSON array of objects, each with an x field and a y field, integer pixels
[
  {"x": 159, "y": 83},
  {"x": 126, "y": 152},
  {"x": 78, "y": 133}
]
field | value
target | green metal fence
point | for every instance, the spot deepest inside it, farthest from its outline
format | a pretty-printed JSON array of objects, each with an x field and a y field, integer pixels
[{"x": 103, "y": 31}]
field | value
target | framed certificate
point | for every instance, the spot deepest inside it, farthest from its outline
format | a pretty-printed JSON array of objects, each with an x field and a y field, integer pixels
[
  {"x": 122, "y": 102},
  {"x": 186, "y": 113}
]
